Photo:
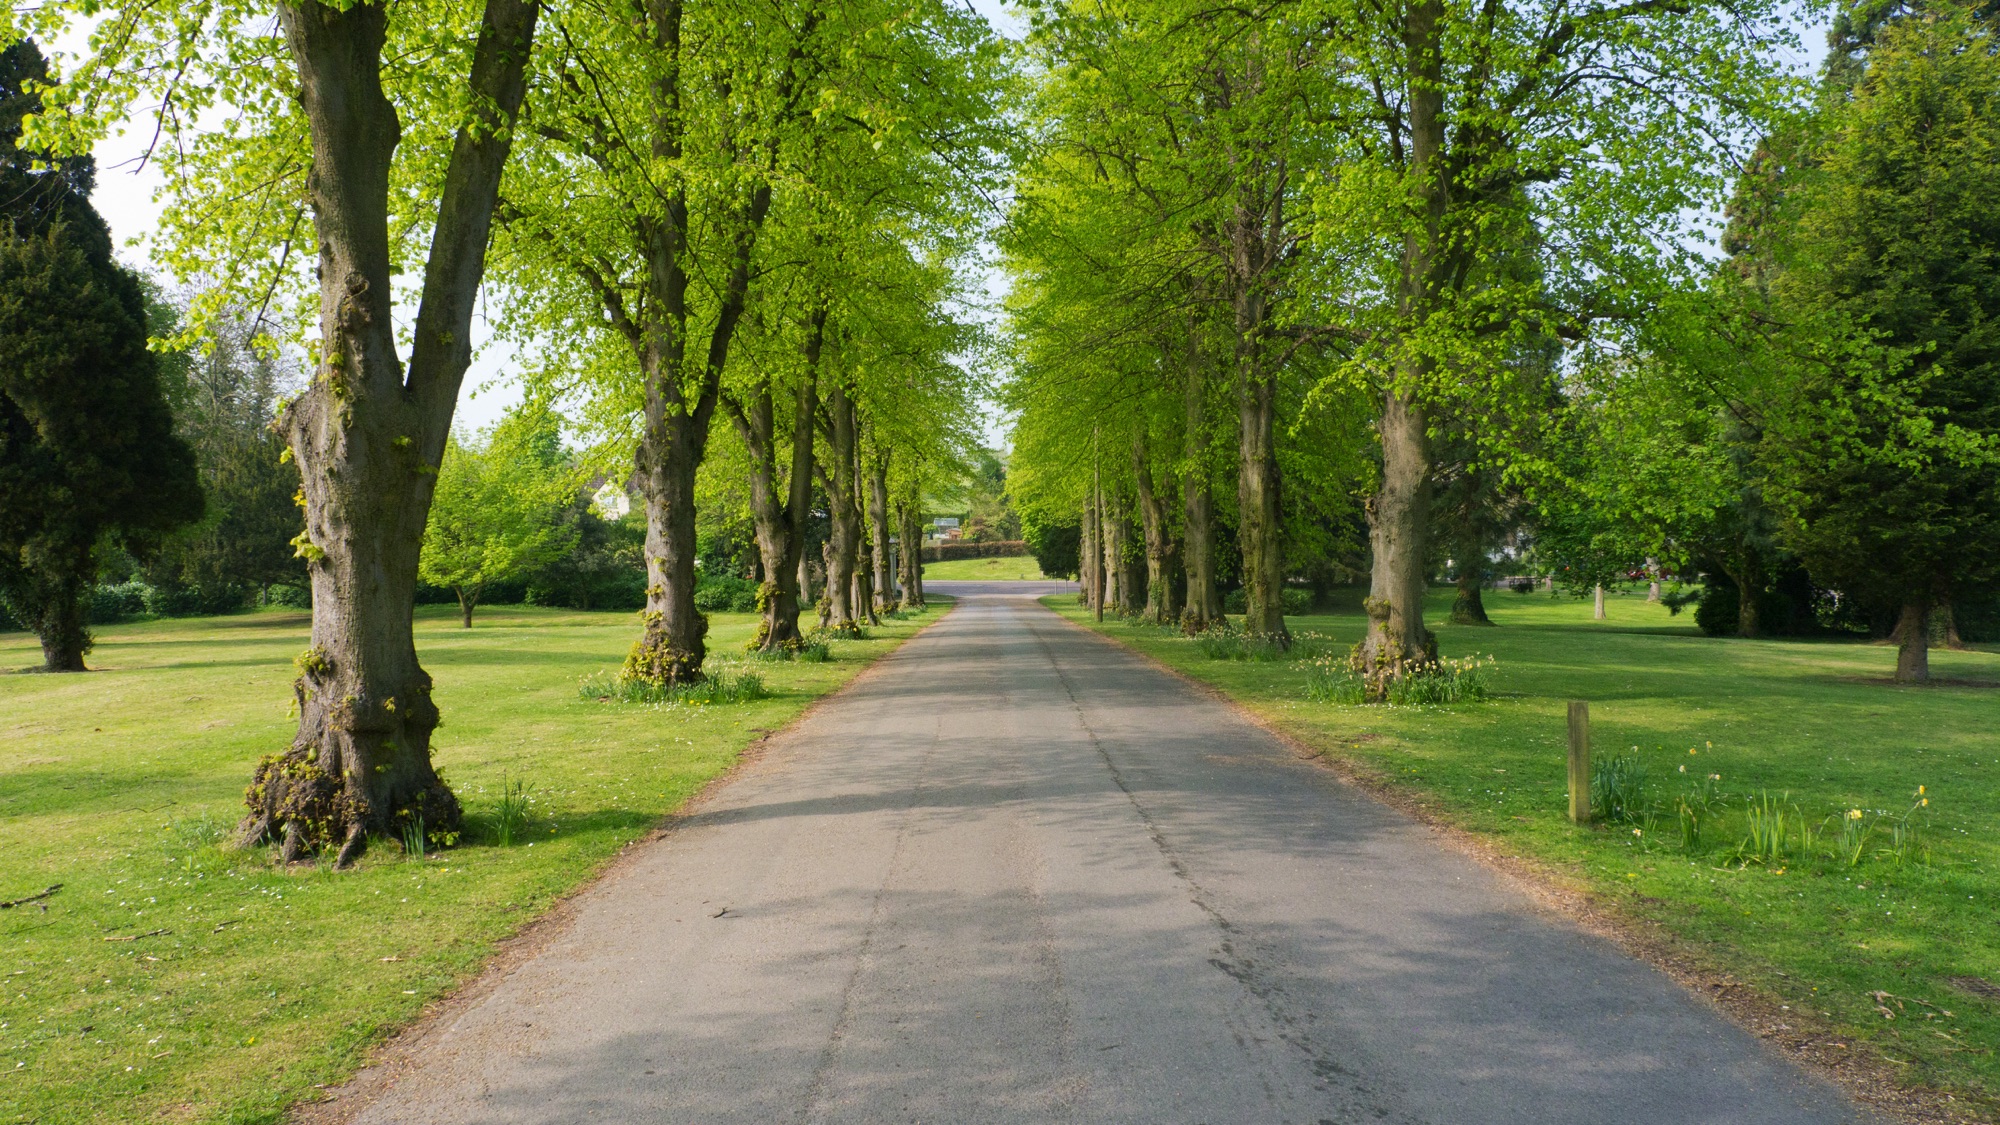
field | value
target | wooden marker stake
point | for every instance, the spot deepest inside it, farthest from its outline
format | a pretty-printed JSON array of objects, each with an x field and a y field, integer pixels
[{"x": 1579, "y": 762}]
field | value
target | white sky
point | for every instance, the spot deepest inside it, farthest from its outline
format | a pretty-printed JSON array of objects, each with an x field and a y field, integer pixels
[{"x": 124, "y": 196}]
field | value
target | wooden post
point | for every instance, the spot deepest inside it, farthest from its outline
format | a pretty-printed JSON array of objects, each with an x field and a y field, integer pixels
[{"x": 1579, "y": 762}]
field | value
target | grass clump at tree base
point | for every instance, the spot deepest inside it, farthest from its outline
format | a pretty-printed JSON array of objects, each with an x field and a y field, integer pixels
[
  {"x": 174, "y": 977},
  {"x": 1803, "y": 734}
]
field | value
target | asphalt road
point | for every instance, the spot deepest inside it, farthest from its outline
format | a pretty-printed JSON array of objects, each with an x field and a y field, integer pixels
[{"x": 1015, "y": 874}]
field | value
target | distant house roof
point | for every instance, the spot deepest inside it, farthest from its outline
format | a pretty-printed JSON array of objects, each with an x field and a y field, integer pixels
[{"x": 611, "y": 500}]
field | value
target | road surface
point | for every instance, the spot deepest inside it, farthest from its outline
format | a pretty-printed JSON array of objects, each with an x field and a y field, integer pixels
[{"x": 1016, "y": 874}]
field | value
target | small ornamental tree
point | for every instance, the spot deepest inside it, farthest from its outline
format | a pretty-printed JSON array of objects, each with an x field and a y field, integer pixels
[
  {"x": 87, "y": 448},
  {"x": 499, "y": 510}
]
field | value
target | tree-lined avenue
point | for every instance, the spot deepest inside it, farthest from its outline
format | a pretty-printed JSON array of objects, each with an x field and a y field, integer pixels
[{"x": 1015, "y": 873}]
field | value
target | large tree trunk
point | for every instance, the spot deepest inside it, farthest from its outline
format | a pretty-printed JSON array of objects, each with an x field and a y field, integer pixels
[
  {"x": 368, "y": 438},
  {"x": 1398, "y": 517},
  {"x": 864, "y": 577},
  {"x": 844, "y": 548},
  {"x": 682, "y": 384},
  {"x": 884, "y": 577},
  {"x": 63, "y": 636},
  {"x": 1090, "y": 555},
  {"x": 1257, "y": 229},
  {"x": 1913, "y": 642},
  {"x": 674, "y": 641},
  {"x": 58, "y": 592},
  {"x": 910, "y": 557},
  {"x": 1114, "y": 527},
  {"x": 1162, "y": 550},
  {"x": 1399, "y": 513},
  {"x": 1203, "y": 606},
  {"x": 1748, "y": 622},
  {"x": 1469, "y": 608},
  {"x": 1258, "y": 527},
  {"x": 467, "y": 599},
  {"x": 864, "y": 591},
  {"x": 779, "y": 521},
  {"x": 1945, "y": 616}
]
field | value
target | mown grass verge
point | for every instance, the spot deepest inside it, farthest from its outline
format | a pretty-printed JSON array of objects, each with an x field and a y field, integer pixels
[
  {"x": 1020, "y": 568},
  {"x": 1882, "y": 956},
  {"x": 173, "y": 978}
]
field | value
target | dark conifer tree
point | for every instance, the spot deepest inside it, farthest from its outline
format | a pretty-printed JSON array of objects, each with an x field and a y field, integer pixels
[{"x": 87, "y": 448}]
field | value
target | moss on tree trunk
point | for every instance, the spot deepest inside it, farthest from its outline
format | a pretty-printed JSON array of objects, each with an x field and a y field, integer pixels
[{"x": 368, "y": 435}]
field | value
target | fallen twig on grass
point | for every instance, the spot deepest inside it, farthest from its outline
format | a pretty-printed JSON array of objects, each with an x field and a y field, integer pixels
[
  {"x": 30, "y": 898},
  {"x": 136, "y": 937}
]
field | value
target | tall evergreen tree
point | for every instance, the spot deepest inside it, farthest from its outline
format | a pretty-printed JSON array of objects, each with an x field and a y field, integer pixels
[
  {"x": 87, "y": 448},
  {"x": 1883, "y": 450}
]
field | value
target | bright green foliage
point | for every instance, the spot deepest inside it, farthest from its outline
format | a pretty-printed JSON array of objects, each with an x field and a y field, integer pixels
[
  {"x": 234, "y": 150},
  {"x": 225, "y": 394},
  {"x": 86, "y": 444},
  {"x": 500, "y": 509},
  {"x": 1883, "y": 445}
]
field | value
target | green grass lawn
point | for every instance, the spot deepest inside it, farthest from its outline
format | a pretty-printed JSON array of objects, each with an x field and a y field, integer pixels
[
  {"x": 260, "y": 984},
  {"x": 1018, "y": 569},
  {"x": 1815, "y": 725}
]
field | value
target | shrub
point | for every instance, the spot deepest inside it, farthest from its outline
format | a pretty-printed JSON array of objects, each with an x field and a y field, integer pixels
[
  {"x": 620, "y": 588},
  {"x": 1789, "y": 608},
  {"x": 725, "y": 593},
  {"x": 115, "y": 603},
  {"x": 290, "y": 597},
  {"x": 1295, "y": 601},
  {"x": 176, "y": 600},
  {"x": 997, "y": 549},
  {"x": 1057, "y": 547},
  {"x": 1978, "y": 617}
]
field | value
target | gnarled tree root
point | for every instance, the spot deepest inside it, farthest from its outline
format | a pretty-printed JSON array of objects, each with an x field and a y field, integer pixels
[{"x": 309, "y": 810}]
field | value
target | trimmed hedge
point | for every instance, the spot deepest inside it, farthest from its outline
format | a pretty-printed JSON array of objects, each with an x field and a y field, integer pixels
[
  {"x": 1004, "y": 549},
  {"x": 1297, "y": 602}
]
